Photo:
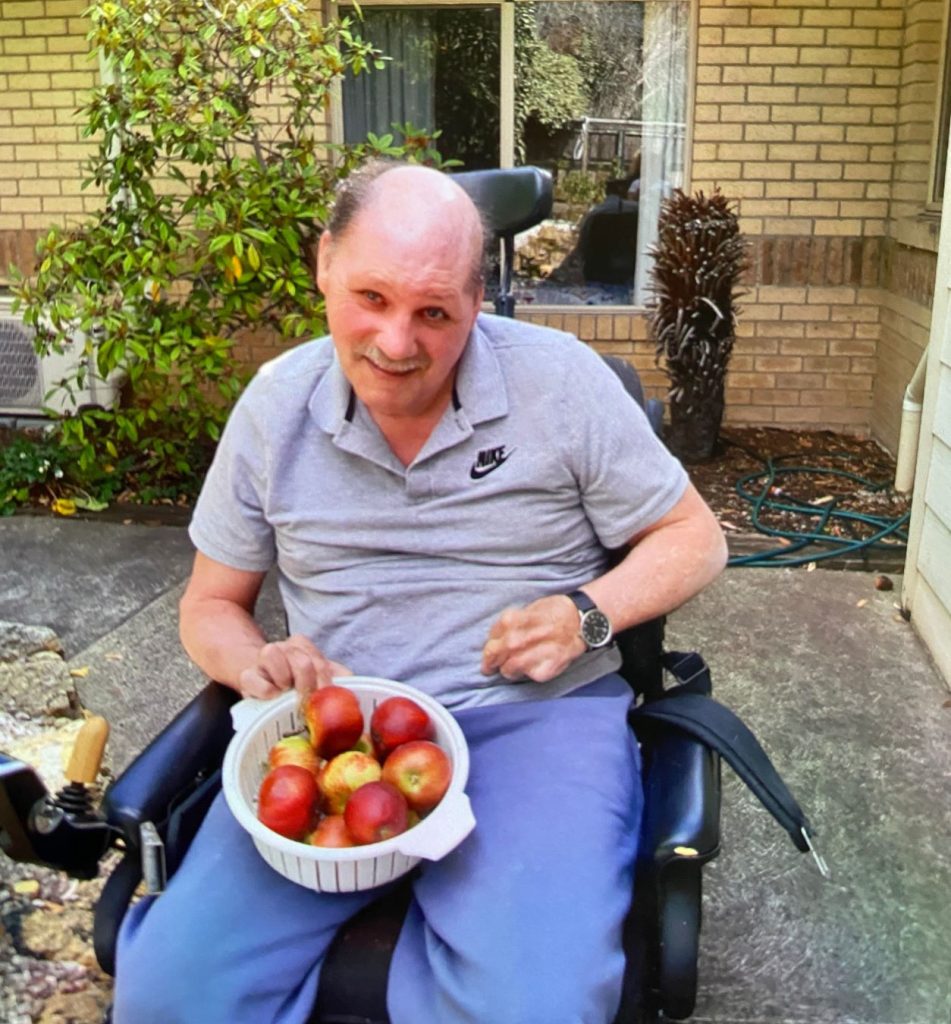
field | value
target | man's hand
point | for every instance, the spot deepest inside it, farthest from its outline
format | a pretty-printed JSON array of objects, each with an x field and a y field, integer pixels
[
  {"x": 294, "y": 663},
  {"x": 536, "y": 642}
]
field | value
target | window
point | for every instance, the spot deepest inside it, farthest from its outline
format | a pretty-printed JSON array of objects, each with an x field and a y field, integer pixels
[{"x": 592, "y": 90}]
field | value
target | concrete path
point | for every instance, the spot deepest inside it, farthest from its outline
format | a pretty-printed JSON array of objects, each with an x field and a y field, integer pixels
[{"x": 836, "y": 685}]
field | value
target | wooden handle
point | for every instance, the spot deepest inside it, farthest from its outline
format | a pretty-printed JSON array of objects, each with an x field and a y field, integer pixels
[{"x": 87, "y": 751}]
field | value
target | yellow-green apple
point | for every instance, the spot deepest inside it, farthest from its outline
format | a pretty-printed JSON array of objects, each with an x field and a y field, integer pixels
[
  {"x": 333, "y": 718},
  {"x": 398, "y": 720},
  {"x": 375, "y": 812},
  {"x": 332, "y": 831},
  {"x": 421, "y": 771},
  {"x": 364, "y": 744},
  {"x": 344, "y": 774},
  {"x": 288, "y": 799},
  {"x": 294, "y": 750}
]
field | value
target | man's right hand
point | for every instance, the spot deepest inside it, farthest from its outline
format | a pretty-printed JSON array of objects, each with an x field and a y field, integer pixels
[{"x": 294, "y": 663}]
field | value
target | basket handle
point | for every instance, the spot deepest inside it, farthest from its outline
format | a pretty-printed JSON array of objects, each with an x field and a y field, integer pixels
[
  {"x": 246, "y": 712},
  {"x": 433, "y": 841}
]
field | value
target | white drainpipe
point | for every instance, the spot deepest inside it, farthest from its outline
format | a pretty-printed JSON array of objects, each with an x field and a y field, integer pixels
[{"x": 910, "y": 428}]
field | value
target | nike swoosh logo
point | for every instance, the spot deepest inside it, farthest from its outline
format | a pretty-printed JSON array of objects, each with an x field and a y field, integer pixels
[{"x": 478, "y": 472}]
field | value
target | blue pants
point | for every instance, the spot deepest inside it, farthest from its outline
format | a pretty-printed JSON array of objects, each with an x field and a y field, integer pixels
[{"x": 521, "y": 924}]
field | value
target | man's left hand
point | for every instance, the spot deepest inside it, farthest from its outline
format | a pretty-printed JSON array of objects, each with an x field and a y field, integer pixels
[{"x": 535, "y": 642}]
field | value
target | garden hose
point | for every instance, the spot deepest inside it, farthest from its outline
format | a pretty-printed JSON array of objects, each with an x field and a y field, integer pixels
[{"x": 877, "y": 528}]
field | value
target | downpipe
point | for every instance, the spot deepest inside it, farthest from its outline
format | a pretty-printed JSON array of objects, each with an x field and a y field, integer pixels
[{"x": 910, "y": 431}]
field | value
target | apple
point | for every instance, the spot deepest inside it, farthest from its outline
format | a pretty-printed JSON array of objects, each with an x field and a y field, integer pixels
[
  {"x": 375, "y": 812},
  {"x": 288, "y": 799},
  {"x": 364, "y": 744},
  {"x": 344, "y": 774},
  {"x": 333, "y": 718},
  {"x": 421, "y": 771},
  {"x": 331, "y": 832},
  {"x": 398, "y": 720},
  {"x": 294, "y": 750}
]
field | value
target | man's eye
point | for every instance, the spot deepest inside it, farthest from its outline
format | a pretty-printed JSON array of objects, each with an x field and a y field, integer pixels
[
  {"x": 372, "y": 296},
  {"x": 434, "y": 313}
]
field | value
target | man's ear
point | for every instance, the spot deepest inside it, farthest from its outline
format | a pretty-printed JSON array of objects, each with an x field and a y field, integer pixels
[{"x": 323, "y": 258}]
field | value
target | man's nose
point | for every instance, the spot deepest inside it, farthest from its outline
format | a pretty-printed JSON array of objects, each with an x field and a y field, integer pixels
[{"x": 395, "y": 339}]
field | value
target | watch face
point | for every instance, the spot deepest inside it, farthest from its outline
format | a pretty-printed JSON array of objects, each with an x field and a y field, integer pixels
[{"x": 595, "y": 628}]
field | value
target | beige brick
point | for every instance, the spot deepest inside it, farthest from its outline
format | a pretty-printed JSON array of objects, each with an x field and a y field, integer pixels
[
  {"x": 808, "y": 36},
  {"x": 709, "y": 36},
  {"x": 876, "y": 58},
  {"x": 29, "y": 44},
  {"x": 29, "y": 117},
  {"x": 40, "y": 187},
  {"x": 752, "y": 380},
  {"x": 48, "y": 26},
  {"x": 721, "y": 94},
  {"x": 843, "y": 228},
  {"x": 737, "y": 36},
  {"x": 878, "y": 18},
  {"x": 852, "y": 36},
  {"x": 22, "y": 204},
  {"x": 769, "y": 133},
  {"x": 767, "y": 170},
  {"x": 805, "y": 113},
  {"x": 778, "y": 364},
  {"x": 67, "y": 44},
  {"x": 747, "y": 113},
  {"x": 772, "y": 94},
  {"x": 825, "y": 397},
  {"x": 849, "y": 76},
  {"x": 824, "y": 56},
  {"x": 10, "y": 221},
  {"x": 868, "y": 133},
  {"x": 817, "y": 172},
  {"x": 830, "y": 296},
  {"x": 10, "y": 27},
  {"x": 805, "y": 311},
  {"x": 865, "y": 208},
  {"x": 792, "y": 151},
  {"x": 825, "y": 364},
  {"x": 853, "y": 347},
  {"x": 774, "y": 293},
  {"x": 769, "y": 16},
  {"x": 874, "y": 96},
  {"x": 802, "y": 347},
  {"x": 820, "y": 132},
  {"x": 23, "y": 9},
  {"x": 724, "y": 15},
  {"x": 819, "y": 16},
  {"x": 718, "y": 132},
  {"x": 772, "y": 55},
  {"x": 743, "y": 151},
  {"x": 718, "y": 170},
  {"x": 867, "y": 366},
  {"x": 14, "y": 135},
  {"x": 798, "y": 75},
  {"x": 765, "y": 208},
  {"x": 721, "y": 55},
  {"x": 790, "y": 189},
  {"x": 743, "y": 74},
  {"x": 850, "y": 381},
  {"x": 846, "y": 115},
  {"x": 792, "y": 226}
]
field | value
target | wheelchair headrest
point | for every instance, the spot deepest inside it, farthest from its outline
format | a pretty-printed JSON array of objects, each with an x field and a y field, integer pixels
[{"x": 512, "y": 199}]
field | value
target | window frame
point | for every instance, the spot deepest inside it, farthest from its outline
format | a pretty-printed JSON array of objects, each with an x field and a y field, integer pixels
[
  {"x": 507, "y": 106},
  {"x": 941, "y": 133}
]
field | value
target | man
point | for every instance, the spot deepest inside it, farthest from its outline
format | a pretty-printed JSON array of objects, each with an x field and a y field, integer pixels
[{"x": 437, "y": 489}]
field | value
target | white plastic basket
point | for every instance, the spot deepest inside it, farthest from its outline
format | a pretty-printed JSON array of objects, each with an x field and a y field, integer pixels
[{"x": 259, "y": 724}]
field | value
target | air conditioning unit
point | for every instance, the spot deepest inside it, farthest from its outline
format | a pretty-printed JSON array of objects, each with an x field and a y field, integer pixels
[{"x": 26, "y": 379}]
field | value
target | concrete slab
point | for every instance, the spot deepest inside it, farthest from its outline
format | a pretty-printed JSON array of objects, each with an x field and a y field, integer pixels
[
  {"x": 85, "y": 578},
  {"x": 837, "y": 686},
  {"x": 844, "y": 697}
]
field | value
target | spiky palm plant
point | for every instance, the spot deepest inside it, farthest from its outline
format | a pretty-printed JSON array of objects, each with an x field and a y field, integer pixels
[{"x": 699, "y": 259}]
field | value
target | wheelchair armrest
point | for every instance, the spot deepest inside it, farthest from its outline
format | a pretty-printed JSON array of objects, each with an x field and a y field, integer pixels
[
  {"x": 679, "y": 834},
  {"x": 183, "y": 755}
]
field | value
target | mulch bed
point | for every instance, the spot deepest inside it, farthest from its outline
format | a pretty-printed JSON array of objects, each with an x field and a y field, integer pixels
[{"x": 822, "y": 459}]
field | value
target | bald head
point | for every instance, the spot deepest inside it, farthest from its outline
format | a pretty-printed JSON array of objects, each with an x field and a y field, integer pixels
[{"x": 416, "y": 201}]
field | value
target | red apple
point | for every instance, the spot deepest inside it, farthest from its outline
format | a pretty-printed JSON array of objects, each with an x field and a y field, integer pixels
[
  {"x": 294, "y": 750},
  {"x": 334, "y": 719},
  {"x": 332, "y": 832},
  {"x": 421, "y": 771},
  {"x": 287, "y": 800},
  {"x": 344, "y": 774},
  {"x": 375, "y": 812},
  {"x": 398, "y": 720}
]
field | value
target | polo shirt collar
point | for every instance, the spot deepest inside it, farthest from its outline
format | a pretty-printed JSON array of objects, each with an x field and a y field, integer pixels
[{"x": 479, "y": 396}]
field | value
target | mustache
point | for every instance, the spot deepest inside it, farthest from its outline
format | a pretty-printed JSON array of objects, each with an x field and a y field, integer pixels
[{"x": 378, "y": 359}]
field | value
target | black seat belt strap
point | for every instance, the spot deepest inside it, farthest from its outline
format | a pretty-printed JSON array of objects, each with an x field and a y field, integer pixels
[{"x": 690, "y": 708}]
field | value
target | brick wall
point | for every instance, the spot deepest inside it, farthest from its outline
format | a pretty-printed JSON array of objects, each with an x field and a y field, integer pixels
[
  {"x": 815, "y": 114},
  {"x": 45, "y": 74}
]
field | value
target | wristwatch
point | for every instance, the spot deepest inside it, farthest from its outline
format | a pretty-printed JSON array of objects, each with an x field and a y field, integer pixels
[{"x": 595, "y": 627}]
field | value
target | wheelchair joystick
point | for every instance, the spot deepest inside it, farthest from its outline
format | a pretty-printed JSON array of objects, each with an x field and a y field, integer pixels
[{"x": 65, "y": 831}]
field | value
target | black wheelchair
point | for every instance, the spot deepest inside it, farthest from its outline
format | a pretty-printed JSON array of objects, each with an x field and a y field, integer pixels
[{"x": 152, "y": 811}]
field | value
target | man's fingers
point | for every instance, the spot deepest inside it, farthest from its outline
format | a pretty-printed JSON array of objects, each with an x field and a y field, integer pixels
[{"x": 253, "y": 683}]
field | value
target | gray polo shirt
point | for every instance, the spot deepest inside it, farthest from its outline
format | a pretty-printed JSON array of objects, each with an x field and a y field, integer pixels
[{"x": 540, "y": 462}]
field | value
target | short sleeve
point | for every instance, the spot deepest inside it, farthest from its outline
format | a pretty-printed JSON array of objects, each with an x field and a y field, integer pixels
[
  {"x": 627, "y": 477},
  {"x": 230, "y": 523}
]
